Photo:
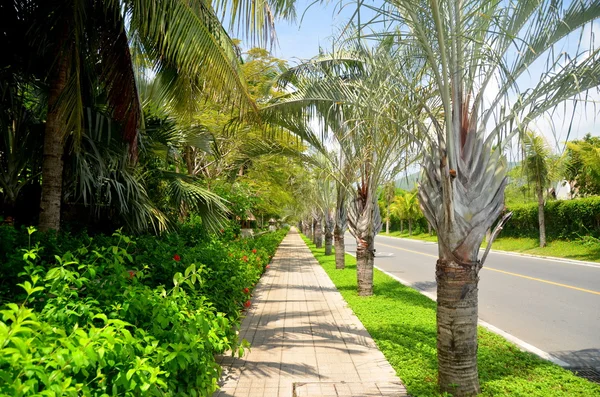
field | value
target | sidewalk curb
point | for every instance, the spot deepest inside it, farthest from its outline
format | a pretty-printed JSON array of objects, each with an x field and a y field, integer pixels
[
  {"x": 520, "y": 343},
  {"x": 548, "y": 258}
]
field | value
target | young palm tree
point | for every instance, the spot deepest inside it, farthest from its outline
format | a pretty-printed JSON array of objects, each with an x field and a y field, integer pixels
[
  {"x": 538, "y": 166},
  {"x": 469, "y": 46},
  {"x": 408, "y": 208},
  {"x": 582, "y": 166},
  {"x": 388, "y": 193},
  {"x": 398, "y": 209}
]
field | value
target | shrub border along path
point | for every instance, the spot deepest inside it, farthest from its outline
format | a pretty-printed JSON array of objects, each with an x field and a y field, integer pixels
[{"x": 402, "y": 322}]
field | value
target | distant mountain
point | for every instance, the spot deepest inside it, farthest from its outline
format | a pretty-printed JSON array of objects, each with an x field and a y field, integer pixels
[{"x": 409, "y": 181}]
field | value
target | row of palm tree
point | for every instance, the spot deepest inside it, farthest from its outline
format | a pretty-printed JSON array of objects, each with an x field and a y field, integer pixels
[{"x": 442, "y": 81}]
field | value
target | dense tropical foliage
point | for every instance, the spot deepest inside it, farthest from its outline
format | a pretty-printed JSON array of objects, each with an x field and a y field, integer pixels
[
  {"x": 120, "y": 315},
  {"x": 146, "y": 117}
]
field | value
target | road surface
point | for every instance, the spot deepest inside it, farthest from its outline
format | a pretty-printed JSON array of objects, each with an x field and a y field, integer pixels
[{"x": 551, "y": 304}]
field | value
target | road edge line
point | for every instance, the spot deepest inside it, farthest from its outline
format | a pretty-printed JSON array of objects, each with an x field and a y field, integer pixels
[
  {"x": 511, "y": 338},
  {"x": 541, "y": 257}
]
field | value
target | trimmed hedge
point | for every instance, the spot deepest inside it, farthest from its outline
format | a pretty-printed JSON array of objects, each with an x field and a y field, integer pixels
[{"x": 565, "y": 219}]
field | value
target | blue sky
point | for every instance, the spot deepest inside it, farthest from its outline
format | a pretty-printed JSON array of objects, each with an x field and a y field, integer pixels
[{"x": 301, "y": 40}]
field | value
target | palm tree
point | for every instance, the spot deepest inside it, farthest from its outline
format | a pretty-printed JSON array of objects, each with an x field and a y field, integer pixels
[
  {"x": 341, "y": 211},
  {"x": 582, "y": 166},
  {"x": 538, "y": 166},
  {"x": 356, "y": 94},
  {"x": 407, "y": 207},
  {"x": 467, "y": 47},
  {"x": 324, "y": 194},
  {"x": 317, "y": 215},
  {"x": 388, "y": 193},
  {"x": 398, "y": 209},
  {"x": 182, "y": 41}
]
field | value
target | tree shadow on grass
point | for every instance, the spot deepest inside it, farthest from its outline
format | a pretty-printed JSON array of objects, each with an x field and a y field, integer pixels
[
  {"x": 402, "y": 322},
  {"x": 593, "y": 255}
]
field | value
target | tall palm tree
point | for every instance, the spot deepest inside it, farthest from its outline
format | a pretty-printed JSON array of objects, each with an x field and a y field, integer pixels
[
  {"x": 538, "y": 165},
  {"x": 469, "y": 46},
  {"x": 184, "y": 42}
]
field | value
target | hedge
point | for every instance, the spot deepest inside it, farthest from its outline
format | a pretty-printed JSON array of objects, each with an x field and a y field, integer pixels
[
  {"x": 121, "y": 315},
  {"x": 565, "y": 219}
]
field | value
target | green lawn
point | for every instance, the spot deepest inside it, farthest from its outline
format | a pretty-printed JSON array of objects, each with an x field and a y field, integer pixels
[
  {"x": 583, "y": 250},
  {"x": 402, "y": 322},
  {"x": 422, "y": 236},
  {"x": 580, "y": 250}
]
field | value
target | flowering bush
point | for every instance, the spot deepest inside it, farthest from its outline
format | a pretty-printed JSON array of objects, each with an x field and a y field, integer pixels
[{"x": 114, "y": 315}]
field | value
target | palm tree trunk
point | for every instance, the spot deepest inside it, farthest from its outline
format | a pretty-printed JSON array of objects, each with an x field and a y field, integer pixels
[
  {"x": 328, "y": 241},
  {"x": 541, "y": 217},
  {"x": 364, "y": 266},
  {"x": 52, "y": 165},
  {"x": 401, "y": 226},
  {"x": 340, "y": 249},
  {"x": 188, "y": 160},
  {"x": 410, "y": 227},
  {"x": 328, "y": 233},
  {"x": 457, "y": 327},
  {"x": 318, "y": 234},
  {"x": 387, "y": 221}
]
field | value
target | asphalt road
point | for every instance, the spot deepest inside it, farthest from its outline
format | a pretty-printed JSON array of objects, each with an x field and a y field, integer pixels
[{"x": 551, "y": 304}]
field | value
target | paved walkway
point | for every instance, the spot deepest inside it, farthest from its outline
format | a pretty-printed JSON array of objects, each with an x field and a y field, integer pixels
[{"x": 305, "y": 340}]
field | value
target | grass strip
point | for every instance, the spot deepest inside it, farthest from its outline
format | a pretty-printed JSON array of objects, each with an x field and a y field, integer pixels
[
  {"x": 582, "y": 250},
  {"x": 402, "y": 323}
]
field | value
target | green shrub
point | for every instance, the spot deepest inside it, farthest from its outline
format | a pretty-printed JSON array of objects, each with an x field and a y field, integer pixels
[
  {"x": 123, "y": 316},
  {"x": 565, "y": 219}
]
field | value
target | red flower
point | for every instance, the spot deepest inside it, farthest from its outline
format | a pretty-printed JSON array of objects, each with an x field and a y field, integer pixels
[
  {"x": 254, "y": 251},
  {"x": 176, "y": 258},
  {"x": 247, "y": 303},
  {"x": 131, "y": 273},
  {"x": 245, "y": 258},
  {"x": 222, "y": 230},
  {"x": 267, "y": 266},
  {"x": 246, "y": 290}
]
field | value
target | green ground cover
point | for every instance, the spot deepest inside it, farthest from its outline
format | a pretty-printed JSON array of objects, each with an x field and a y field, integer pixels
[
  {"x": 402, "y": 323},
  {"x": 584, "y": 249}
]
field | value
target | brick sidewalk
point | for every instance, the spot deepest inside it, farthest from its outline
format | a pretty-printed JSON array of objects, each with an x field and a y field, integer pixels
[{"x": 305, "y": 341}]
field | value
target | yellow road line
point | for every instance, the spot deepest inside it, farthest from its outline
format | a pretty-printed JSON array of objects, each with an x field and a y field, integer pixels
[
  {"x": 543, "y": 281},
  {"x": 404, "y": 249},
  {"x": 505, "y": 272}
]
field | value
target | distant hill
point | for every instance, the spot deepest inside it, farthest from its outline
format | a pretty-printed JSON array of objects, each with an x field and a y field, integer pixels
[{"x": 409, "y": 181}]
